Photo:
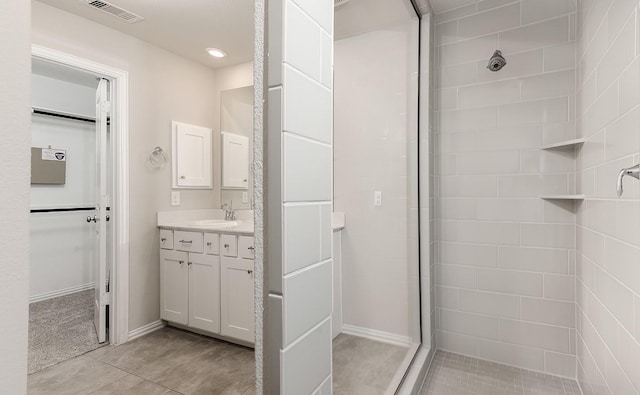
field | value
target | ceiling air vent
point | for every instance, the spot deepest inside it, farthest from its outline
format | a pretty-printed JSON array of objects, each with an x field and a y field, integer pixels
[{"x": 116, "y": 11}]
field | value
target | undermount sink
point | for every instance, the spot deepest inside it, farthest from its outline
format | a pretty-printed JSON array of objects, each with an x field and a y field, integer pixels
[{"x": 214, "y": 223}]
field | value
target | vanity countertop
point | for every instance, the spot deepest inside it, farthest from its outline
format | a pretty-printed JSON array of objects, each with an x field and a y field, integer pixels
[{"x": 209, "y": 220}]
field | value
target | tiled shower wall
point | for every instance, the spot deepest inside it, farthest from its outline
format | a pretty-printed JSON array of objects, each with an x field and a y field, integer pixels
[
  {"x": 608, "y": 227},
  {"x": 505, "y": 257}
]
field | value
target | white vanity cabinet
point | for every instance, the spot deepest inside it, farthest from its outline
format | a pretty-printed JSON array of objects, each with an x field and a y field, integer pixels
[
  {"x": 237, "y": 291},
  {"x": 207, "y": 282}
]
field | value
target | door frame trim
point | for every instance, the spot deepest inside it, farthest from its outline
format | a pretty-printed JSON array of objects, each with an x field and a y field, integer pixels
[{"x": 119, "y": 284}]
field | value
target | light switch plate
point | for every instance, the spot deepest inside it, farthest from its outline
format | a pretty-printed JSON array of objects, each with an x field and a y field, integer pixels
[
  {"x": 377, "y": 198},
  {"x": 175, "y": 198}
]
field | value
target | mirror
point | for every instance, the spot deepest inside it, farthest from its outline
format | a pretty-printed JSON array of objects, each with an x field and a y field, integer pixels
[{"x": 236, "y": 118}]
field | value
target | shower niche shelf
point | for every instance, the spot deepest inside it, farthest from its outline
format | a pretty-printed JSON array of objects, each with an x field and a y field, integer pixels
[
  {"x": 563, "y": 197},
  {"x": 564, "y": 144}
]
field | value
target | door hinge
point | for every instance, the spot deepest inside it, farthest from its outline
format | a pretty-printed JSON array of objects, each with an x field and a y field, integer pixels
[{"x": 105, "y": 300}]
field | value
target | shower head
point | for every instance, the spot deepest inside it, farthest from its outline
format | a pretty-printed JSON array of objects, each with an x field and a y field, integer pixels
[{"x": 497, "y": 61}]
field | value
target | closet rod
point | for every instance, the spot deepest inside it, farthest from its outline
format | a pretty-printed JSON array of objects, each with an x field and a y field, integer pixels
[
  {"x": 62, "y": 114},
  {"x": 64, "y": 209}
]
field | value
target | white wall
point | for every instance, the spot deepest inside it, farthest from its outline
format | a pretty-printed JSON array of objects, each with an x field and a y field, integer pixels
[
  {"x": 163, "y": 87},
  {"x": 375, "y": 120},
  {"x": 608, "y": 227},
  {"x": 15, "y": 119},
  {"x": 299, "y": 198},
  {"x": 504, "y": 260},
  {"x": 62, "y": 243}
]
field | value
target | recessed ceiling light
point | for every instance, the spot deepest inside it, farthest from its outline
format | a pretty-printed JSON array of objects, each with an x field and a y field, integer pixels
[{"x": 216, "y": 53}]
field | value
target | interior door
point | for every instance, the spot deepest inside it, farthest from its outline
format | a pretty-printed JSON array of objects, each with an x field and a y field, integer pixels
[{"x": 101, "y": 213}]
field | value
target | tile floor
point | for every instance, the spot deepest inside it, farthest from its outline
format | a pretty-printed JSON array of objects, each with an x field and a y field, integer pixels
[
  {"x": 453, "y": 374},
  {"x": 363, "y": 366},
  {"x": 167, "y": 361}
]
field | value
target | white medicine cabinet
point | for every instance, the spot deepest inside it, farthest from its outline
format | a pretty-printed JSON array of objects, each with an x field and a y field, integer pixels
[{"x": 191, "y": 156}]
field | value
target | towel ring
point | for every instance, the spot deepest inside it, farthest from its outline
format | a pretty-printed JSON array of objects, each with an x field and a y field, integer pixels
[{"x": 157, "y": 159}]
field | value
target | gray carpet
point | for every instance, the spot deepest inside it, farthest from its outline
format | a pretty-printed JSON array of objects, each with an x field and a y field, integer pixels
[{"x": 60, "y": 329}]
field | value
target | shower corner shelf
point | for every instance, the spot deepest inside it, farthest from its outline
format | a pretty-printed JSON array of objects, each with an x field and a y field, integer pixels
[
  {"x": 563, "y": 197},
  {"x": 564, "y": 144}
]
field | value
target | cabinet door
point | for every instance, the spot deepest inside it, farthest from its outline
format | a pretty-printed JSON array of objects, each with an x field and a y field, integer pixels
[
  {"x": 204, "y": 292},
  {"x": 174, "y": 286},
  {"x": 235, "y": 161},
  {"x": 245, "y": 247},
  {"x": 236, "y": 287},
  {"x": 191, "y": 158}
]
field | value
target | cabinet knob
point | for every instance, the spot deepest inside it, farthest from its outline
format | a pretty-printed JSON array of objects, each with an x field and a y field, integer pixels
[
  {"x": 189, "y": 263},
  {"x": 163, "y": 239},
  {"x": 208, "y": 244},
  {"x": 226, "y": 246},
  {"x": 182, "y": 177},
  {"x": 250, "y": 248},
  {"x": 181, "y": 262},
  {"x": 186, "y": 241},
  {"x": 249, "y": 271}
]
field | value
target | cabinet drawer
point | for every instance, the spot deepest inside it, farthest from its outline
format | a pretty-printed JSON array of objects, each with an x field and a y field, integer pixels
[
  {"x": 245, "y": 247},
  {"x": 187, "y": 241},
  {"x": 166, "y": 239},
  {"x": 211, "y": 244},
  {"x": 228, "y": 245}
]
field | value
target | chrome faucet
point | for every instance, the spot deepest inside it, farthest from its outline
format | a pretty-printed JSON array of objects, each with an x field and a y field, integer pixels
[{"x": 229, "y": 214}]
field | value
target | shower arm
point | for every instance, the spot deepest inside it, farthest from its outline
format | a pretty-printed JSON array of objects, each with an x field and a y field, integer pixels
[{"x": 633, "y": 171}]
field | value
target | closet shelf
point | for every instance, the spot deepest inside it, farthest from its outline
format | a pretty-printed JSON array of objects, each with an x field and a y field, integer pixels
[
  {"x": 564, "y": 144},
  {"x": 563, "y": 197}
]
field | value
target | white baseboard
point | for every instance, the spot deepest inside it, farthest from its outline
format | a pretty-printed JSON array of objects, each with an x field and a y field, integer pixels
[
  {"x": 380, "y": 336},
  {"x": 146, "y": 329},
  {"x": 60, "y": 292}
]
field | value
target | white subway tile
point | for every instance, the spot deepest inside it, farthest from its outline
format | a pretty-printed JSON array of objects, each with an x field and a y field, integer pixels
[
  {"x": 621, "y": 263},
  {"x": 469, "y": 119},
  {"x": 468, "y": 50},
  {"x": 592, "y": 151},
  {"x": 307, "y": 300},
  {"x": 618, "y": 14},
  {"x": 559, "y": 211},
  {"x": 492, "y": 21},
  {"x": 446, "y": 98},
  {"x": 301, "y": 374},
  {"x": 489, "y": 303},
  {"x": 603, "y": 112},
  {"x": 617, "y": 380},
  {"x": 456, "y": 276},
  {"x": 492, "y": 93},
  {"x": 302, "y": 42},
  {"x": 511, "y": 354},
  {"x": 455, "y": 13},
  {"x": 307, "y": 107},
  {"x": 457, "y": 75},
  {"x": 446, "y": 33},
  {"x": 560, "y": 57},
  {"x": 530, "y": 334},
  {"x": 559, "y": 83},
  {"x": 622, "y": 137},
  {"x": 538, "y": 10},
  {"x": 515, "y": 210},
  {"x": 604, "y": 323},
  {"x": 560, "y": 364},
  {"x": 518, "y": 65},
  {"x": 489, "y": 232},
  {"x": 453, "y": 208},
  {"x": 322, "y": 14},
  {"x": 446, "y": 297},
  {"x": 455, "y": 342},
  {"x": 629, "y": 93},
  {"x": 548, "y": 235},
  {"x": 533, "y": 259},
  {"x": 457, "y": 142},
  {"x": 527, "y": 186},
  {"x": 559, "y": 131},
  {"x": 440, "y": 6},
  {"x": 302, "y": 229},
  {"x": 552, "y": 312},
  {"x": 468, "y": 186},
  {"x": 593, "y": 54},
  {"x": 628, "y": 224},
  {"x": 547, "y": 161},
  {"x": 600, "y": 216},
  {"x": 524, "y": 136},
  {"x": 469, "y": 324},
  {"x": 468, "y": 254},
  {"x": 618, "y": 57},
  {"x": 593, "y": 341},
  {"x": 307, "y": 170},
  {"x": 484, "y": 5},
  {"x": 560, "y": 287},
  {"x": 511, "y": 282},
  {"x": 636, "y": 304},
  {"x": 554, "y": 31},
  {"x": 326, "y": 71},
  {"x": 539, "y": 111},
  {"x": 488, "y": 162}
]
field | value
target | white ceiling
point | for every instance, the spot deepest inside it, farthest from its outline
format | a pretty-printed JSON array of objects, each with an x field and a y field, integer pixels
[
  {"x": 188, "y": 27},
  {"x": 184, "y": 27}
]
